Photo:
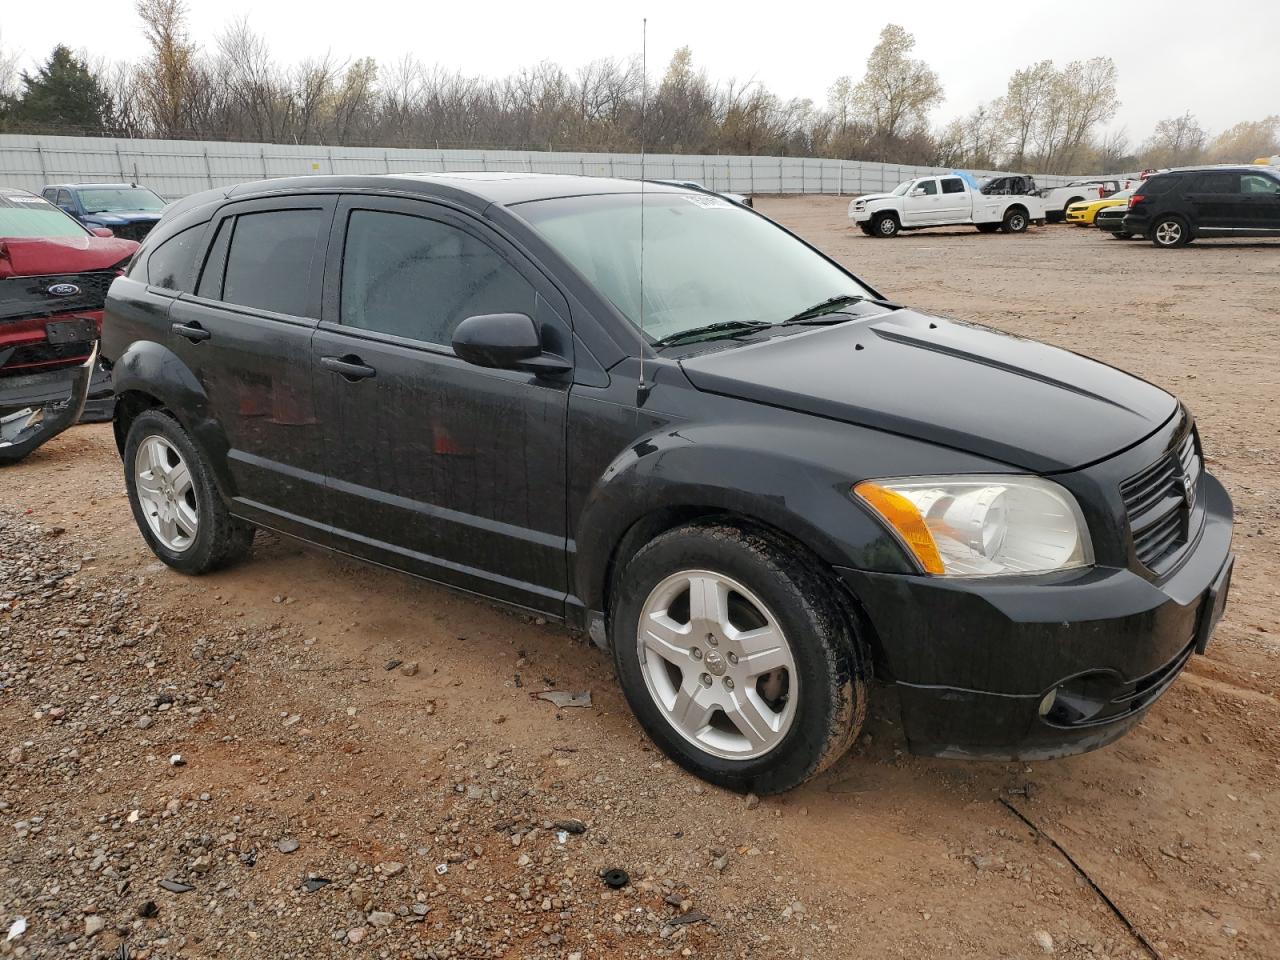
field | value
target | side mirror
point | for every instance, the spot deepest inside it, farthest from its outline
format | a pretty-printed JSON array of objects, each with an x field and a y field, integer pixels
[
  {"x": 102, "y": 231},
  {"x": 918, "y": 192},
  {"x": 505, "y": 341}
]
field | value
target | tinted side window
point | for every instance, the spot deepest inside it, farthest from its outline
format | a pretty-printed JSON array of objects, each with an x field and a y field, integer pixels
[
  {"x": 1217, "y": 183},
  {"x": 50, "y": 194},
  {"x": 953, "y": 185},
  {"x": 1257, "y": 183},
  {"x": 930, "y": 187},
  {"x": 1156, "y": 185},
  {"x": 419, "y": 278},
  {"x": 64, "y": 198},
  {"x": 172, "y": 264},
  {"x": 269, "y": 263}
]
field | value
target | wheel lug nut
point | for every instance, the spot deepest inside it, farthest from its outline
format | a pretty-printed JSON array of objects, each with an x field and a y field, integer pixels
[
  {"x": 695, "y": 653},
  {"x": 733, "y": 658},
  {"x": 711, "y": 639},
  {"x": 706, "y": 679},
  {"x": 728, "y": 683}
]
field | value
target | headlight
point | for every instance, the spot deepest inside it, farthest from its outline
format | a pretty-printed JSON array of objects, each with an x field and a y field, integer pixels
[{"x": 974, "y": 526}]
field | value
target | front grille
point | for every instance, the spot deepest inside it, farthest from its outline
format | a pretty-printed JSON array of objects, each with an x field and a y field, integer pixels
[
  {"x": 1160, "y": 502},
  {"x": 134, "y": 231}
]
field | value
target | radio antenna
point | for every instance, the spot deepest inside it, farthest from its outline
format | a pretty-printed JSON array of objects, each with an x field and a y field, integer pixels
[{"x": 644, "y": 96}]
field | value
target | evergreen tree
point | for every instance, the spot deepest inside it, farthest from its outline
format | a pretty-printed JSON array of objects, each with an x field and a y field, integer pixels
[{"x": 63, "y": 93}]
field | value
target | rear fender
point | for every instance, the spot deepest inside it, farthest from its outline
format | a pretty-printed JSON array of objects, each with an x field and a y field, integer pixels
[{"x": 153, "y": 371}]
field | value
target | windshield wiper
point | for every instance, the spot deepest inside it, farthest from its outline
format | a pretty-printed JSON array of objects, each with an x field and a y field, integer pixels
[
  {"x": 826, "y": 306},
  {"x": 709, "y": 330}
]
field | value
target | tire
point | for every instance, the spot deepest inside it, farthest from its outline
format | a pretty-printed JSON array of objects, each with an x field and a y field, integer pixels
[
  {"x": 1015, "y": 220},
  {"x": 987, "y": 227},
  {"x": 866, "y": 228},
  {"x": 177, "y": 508},
  {"x": 1170, "y": 232},
  {"x": 886, "y": 225},
  {"x": 1121, "y": 235},
  {"x": 812, "y": 705}
]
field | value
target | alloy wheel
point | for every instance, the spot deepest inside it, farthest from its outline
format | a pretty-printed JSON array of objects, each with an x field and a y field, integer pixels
[
  {"x": 717, "y": 664},
  {"x": 1169, "y": 233},
  {"x": 166, "y": 493}
]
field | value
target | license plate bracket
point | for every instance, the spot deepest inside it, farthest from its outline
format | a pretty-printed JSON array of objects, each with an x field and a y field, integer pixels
[
  {"x": 76, "y": 330},
  {"x": 1215, "y": 604}
]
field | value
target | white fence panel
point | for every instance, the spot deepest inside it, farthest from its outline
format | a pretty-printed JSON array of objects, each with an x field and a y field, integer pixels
[{"x": 175, "y": 168}]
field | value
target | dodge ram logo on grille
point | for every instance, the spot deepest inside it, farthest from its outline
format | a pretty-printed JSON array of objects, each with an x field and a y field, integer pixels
[{"x": 63, "y": 289}]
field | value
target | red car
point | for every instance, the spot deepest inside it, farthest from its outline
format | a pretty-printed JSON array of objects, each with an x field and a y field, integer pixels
[{"x": 54, "y": 275}]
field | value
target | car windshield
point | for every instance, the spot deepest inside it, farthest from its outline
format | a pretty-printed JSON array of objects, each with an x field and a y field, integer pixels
[
  {"x": 706, "y": 260},
  {"x": 902, "y": 188},
  {"x": 30, "y": 217},
  {"x": 119, "y": 199}
]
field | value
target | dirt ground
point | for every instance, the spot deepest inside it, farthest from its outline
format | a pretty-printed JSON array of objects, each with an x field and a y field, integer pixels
[{"x": 343, "y": 723}]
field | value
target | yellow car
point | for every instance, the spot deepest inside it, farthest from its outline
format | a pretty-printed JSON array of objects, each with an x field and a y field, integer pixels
[{"x": 1082, "y": 213}]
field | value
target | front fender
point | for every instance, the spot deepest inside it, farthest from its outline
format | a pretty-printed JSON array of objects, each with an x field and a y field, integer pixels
[
  {"x": 153, "y": 371},
  {"x": 777, "y": 475}
]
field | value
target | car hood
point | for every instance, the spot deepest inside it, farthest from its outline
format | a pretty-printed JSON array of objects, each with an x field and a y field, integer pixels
[
  {"x": 1027, "y": 404},
  {"x": 39, "y": 256},
  {"x": 116, "y": 217},
  {"x": 874, "y": 196}
]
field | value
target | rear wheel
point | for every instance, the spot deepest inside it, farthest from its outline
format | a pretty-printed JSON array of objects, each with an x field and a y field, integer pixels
[
  {"x": 737, "y": 658},
  {"x": 1169, "y": 232},
  {"x": 886, "y": 225},
  {"x": 174, "y": 501},
  {"x": 1015, "y": 220}
]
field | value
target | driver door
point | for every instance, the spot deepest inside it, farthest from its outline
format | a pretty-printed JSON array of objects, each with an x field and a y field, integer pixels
[
  {"x": 452, "y": 471},
  {"x": 921, "y": 202}
]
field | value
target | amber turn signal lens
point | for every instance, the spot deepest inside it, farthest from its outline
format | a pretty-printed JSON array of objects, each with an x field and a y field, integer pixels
[{"x": 901, "y": 514}]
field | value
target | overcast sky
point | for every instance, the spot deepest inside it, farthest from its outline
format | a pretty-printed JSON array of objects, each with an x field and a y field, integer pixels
[{"x": 1219, "y": 60}]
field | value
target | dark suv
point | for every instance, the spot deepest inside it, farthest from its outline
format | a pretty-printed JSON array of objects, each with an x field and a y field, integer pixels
[
  {"x": 740, "y": 468},
  {"x": 1180, "y": 206}
]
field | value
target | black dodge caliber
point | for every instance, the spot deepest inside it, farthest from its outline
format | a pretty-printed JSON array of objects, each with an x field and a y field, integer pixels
[{"x": 754, "y": 479}]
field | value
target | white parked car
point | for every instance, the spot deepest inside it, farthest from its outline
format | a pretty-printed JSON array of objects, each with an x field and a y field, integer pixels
[
  {"x": 1057, "y": 199},
  {"x": 942, "y": 202}
]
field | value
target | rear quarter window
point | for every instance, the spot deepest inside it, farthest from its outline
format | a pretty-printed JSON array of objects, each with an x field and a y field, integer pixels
[{"x": 171, "y": 265}]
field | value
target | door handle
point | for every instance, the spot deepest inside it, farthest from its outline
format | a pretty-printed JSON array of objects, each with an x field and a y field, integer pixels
[
  {"x": 192, "y": 331},
  {"x": 350, "y": 367}
]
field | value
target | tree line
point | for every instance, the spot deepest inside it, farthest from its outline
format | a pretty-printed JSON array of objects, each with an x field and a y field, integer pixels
[{"x": 1049, "y": 119}]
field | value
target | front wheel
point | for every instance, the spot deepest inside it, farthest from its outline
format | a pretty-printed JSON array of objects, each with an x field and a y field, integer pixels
[
  {"x": 1015, "y": 221},
  {"x": 987, "y": 227},
  {"x": 737, "y": 658},
  {"x": 1169, "y": 232},
  {"x": 886, "y": 225},
  {"x": 174, "y": 501},
  {"x": 866, "y": 228}
]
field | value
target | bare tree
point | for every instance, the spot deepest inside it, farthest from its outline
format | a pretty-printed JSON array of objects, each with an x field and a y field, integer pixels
[
  {"x": 1247, "y": 141},
  {"x": 1175, "y": 142},
  {"x": 166, "y": 93},
  {"x": 897, "y": 92},
  {"x": 1028, "y": 96}
]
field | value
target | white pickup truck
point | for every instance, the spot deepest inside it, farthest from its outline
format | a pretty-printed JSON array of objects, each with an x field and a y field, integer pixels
[{"x": 942, "y": 201}]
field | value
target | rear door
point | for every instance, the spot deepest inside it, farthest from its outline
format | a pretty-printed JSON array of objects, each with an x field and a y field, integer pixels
[
  {"x": 446, "y": 469},
  {"x": 246, "y": 334},
  {"x": 1262, "y": 199},
  {"x": 921, "y": 203},
  {"x": 954, "y": 203},
  {"x": 1216, "y": 203}
]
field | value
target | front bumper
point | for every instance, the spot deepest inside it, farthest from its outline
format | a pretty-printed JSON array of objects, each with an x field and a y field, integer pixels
[
  {"x": 976, "y": 661},
  {"x": 1110, "y": 224},
  {"x": 37, "y": 407},
  {"x": 1082, "y": 217}
]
